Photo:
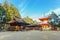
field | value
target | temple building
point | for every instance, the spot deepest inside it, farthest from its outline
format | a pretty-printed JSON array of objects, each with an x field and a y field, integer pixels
[
  {"x": 44, "y": 23},
  {"x": 16, "y": 24},
  {"x": 33, "y": 27}
]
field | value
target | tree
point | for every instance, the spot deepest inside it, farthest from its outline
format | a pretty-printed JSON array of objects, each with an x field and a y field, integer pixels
[
  {"x": 54, "y": 19},
  {"x": 5, "y": 4},
  {"x": 2, "y": 11},
  {"x": 53, "y": 15},
  {"x": 58, "y": 24},
  {"x": 11, "y": 11},
  {"x": 30, "y": 20},
  {"x": 35, "y": 22},
  {"x": 7, "y": 12}
]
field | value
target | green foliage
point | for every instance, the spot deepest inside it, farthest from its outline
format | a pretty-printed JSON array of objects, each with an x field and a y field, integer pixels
[
  {"x": 54, "y": 19},
  {"x": 2, "y": 10},
  {"x": 9, "y": 10},
  {"x": 29, "y": 20},
  {"x": 53, "y": 15},
  {"x": 35, "y": 22},
  {"x": 58, "y": 24},
  {"x": 12, "y": 11}
]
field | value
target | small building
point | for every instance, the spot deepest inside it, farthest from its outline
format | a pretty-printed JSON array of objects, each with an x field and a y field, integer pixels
[{"x": 33, "y": 27}]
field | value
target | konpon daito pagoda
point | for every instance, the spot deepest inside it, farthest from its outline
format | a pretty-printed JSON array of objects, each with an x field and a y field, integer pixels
[{"x": 44, "y": 23}]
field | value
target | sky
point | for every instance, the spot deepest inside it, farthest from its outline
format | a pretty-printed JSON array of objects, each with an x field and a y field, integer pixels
[{"x": 36, "y": 8}]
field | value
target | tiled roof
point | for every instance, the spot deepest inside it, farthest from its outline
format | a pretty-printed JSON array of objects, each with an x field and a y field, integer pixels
[{"x": 18, "y": 20}]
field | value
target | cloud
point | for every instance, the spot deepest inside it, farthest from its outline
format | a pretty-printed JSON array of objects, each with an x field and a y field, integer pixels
[{"x": 57, "y": 11}]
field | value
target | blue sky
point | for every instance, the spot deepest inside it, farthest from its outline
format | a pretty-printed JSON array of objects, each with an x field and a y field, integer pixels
[{"x": 35, "y": 8}]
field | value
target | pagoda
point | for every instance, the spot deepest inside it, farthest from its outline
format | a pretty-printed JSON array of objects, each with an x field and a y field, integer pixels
[{"x": 44, "y": 23}]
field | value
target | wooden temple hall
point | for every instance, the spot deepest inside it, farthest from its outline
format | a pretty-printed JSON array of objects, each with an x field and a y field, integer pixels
[{"x": 16, "y": 24}]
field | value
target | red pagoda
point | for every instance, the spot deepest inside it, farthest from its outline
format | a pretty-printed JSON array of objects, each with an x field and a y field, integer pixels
[{"x": 44, "y": 23}]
